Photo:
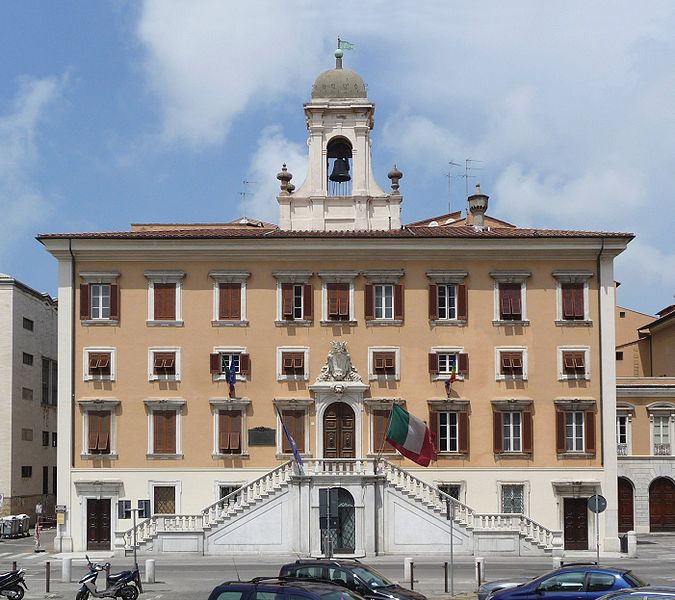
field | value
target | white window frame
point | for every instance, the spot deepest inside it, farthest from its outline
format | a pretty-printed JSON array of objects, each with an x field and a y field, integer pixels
[
  {"x": 511, "y": 438},
  {"x": 153, "y": 405},
  {"x": 372, "y": 376},
  {"x": 294, "y": 278},
  {"x": 337, "y": 277},
  {"x": 280, "y": 374},
  {"x": 177, "y": 484},
  {"x": 510, "y": 277},
  {"x": 457, "y": 437},
  {"x": 663, "y": 410},
  {"x": 165, "y": 277},
  {"x": 576, "y": 426},
  {"x": 241, "y": 404},
  {"x": 99, "y": 405},
  {"x": 151, "y": 363},
  {"x": 292, "y": 404},
  {"x": 562, "y": 376},
  {"x": 448, "y": 278},
  {"x": 446, "y": 286},
  {"x": 383, "y": 308},
  {"x": 229, "y": 350},
  {"x": 219, "y": 277},
  {"x": 572, "y": 277},
  {"x": 456, "y": 350},
  {"x": 100, "y": 307},
  {"x": 498, "y": 363},
  {"x": 623, "y": 412},
  {"x": 526, "y": 494},
  {"x": 99, "y": 278},
  {"x": 86, "y": 376}
]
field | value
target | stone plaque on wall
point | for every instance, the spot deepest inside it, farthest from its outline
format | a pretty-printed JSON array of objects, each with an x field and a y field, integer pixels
[{"x": 262, "y": 436}]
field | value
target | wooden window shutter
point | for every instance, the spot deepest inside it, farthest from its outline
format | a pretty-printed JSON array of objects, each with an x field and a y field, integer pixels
[
  {"x": 114, "y": 302},
  {"x": 463, "y": 432},
  {"x": 463, "y": 363},
  {"x": 229, "y": 305},
  {"x": 398, "y": 302},
  {"x": 157, "y": 432},
  {"x": 85, "y": 306},
  {"x": 104, "y": 433},
  {"x": 516, "y": 304},
  {"x": 504, "y": 302},
  {"x": 378, "y": 361},
  {"x": 294, "y": 422},
  {"x": 433, "y": 363},
  {"x": 433, "y": 302},
  {"x": 164, "y": 422},
  {"x": 369, "y": 302},
  {"x": 380, "y": 418},
  {"x": 307, "y": 302},
  {"x": 433, "y": 426},
  {"x": 497, "y": 432},
  {"x": 235, "y": 431},
  {"x": 215, "y": 363},
  {"x": 223, "y": 432},
  {"x": 567, "y": 301},
  {"x": 560, "y": 432},
  {"x": 170, "y": 418},
  {"x": 589, "y": 431},
  {"x": 287, "y": 300},
  {"x": 343, "y": 294},
  {"x": 94, "y": 427},
  {"x": 462, "y": 303},
  {"x": 578, "y": 296},
  {"x": 244, "y": 364},
  {"x": 332, "y": 300},
  {"x": 165, "y": 301},
  {"x": 527, "y": 432}
]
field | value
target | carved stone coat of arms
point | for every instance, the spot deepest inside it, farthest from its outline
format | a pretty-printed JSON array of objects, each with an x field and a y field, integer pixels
[{"x": 338, "y": 365}]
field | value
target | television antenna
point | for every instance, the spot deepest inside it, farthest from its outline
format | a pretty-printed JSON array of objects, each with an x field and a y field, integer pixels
[
  {"x": 246, "y": 193},
  {"x": 470, "y": 166},
  {"x": 450, "y": 175}
]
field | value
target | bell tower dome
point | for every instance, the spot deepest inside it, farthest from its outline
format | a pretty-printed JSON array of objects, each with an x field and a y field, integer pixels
[{"x": 340, "y": 191}]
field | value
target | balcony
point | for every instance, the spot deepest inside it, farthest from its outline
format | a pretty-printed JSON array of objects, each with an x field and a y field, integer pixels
[
  {"x": 622, "y": 449},
  {"x": 662, "y": 450}
]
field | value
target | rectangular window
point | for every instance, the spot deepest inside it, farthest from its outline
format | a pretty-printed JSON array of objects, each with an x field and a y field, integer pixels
[
  {"x": 99, "y": 295},
  {"x": 46, "y": 372},
  {"x": 295, "y": 424},
  {"x": 54, "y": 480},
  {"x": 54, "y": 383},
  {"x": 28, "y": 324},
  {"x": 337, "y": 295},
  {"x": 510, "y": 306},
  {"x": 513, "y": 498},
  {"x": 447, "y": 302},
  {"x": 144, "y": 511},
  {"x": 164, "y": 431},
  {"x": 27, "y": 435},
  {"x": 26, "y": 472},
  {"x": 447, "y": 363},
  {"x": 293, "y": 363},
  {"x": 574, "y": 364},
  {"x": 384, "y": 301},
  {"x": 99, "y": 365},
  {"x": 512, "y": 426},
  {"x": 124, "y": 509},
  {"x": 164, "y": 499},
  {"x": 229, "y": 301},
  {"x": 26, "y": 394},
  {"x": 572, "y": 301},
  {"x": 574, "y": 431},
  {"x": 54, "y": 439},
  {"x": 661, "y": 434},
  {"x": 98, "y": 423},
  {"x": 164, "y": 301},
  {"x": 229, "y": 431},
  {"x": 296, "y": 302},
  {"x": 622, "y": 429},
  {"x": 511, "y": 364},
  {"x": 45, "y": 480},
  {"x": 27, "y": 359},
  {"x": 619, "y": 355},
  {"x": 451, "y": 489},
  {"x": 45, "y": 438},
  {"x": 384, "y": 363},
  {"x": 221, "y": 363},
  {"x": 448, "y": 432},
  {"x": 164, "y": 365},
  {"x": 225, "y": 490},
  {"x": 380, "y": 422}
]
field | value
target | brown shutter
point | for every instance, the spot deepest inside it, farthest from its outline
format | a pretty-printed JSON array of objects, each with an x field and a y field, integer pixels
[
  {"x": 244, "y": 364},
  {"x": 369, "y": 303},
  {"x": 463, "y": 432},
  {"x": 463, "y": 363},
  {"x": 497, "y": 432},
  {"x": 294, "y": 420},
  {"x": 504, "y": 304},
  {"x": 527, "y": 432},
  {"x": 165, "y": 301},
  {"x": 433, "y": 363},
  {"x": 104, "y": 432},
  {"x": 158, "y": 432},
  {"x": 223, "y": 431},
  {"x": 380, "y": 423},
  {"x": 215, "y": 363},
  {"x": 287, "y": 300},
  {"x": 578, "y": 296},
  {"x": 343, "y": 295},
  {"x": 333, "y": 300},
  {"x": 516, "y": 304},
  {"x": 462, "y": 303},
  {"x": 85, "y": 306},
  {"x": 589, "y": 431},
  {"x": 229, "y": 305},
  {"x": 235, "y": 431},
  {"x": 114, "y": 302},
  {"x": 433, "y": 426},
  {"x": 398, "y": 302},
  {"x": 560, "y": 432},
  {"x": 171, "y": 431},
  {"x": 287, "y": 421},
  {"x": 567, "y": 301},
  {"x": 307, "y": 302},
  {"x": 94, "y": 426},
  {"x": 433, "y": 302}
]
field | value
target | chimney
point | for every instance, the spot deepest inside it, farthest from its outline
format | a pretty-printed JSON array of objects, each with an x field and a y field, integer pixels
[{"x": 478, "y": 204}]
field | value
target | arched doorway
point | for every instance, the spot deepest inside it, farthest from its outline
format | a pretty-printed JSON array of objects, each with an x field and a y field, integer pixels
[
  {"x": 625, "y": 489},
  {"x": 339, "y": 431},
  {"x": 662, "y": 505},
  {"x": 338, "y": 521}
]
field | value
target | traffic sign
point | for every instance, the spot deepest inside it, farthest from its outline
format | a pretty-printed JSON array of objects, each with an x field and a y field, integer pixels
[{"x": 597, "y": 503}]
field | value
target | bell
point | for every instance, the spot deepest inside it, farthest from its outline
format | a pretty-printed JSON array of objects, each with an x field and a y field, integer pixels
[{"x": 340, "y": 170}]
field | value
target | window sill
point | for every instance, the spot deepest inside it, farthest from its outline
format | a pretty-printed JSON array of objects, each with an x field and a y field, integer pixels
[
  {"x": 221, "y": 377},
  {"x": 218, "y": 455},
  {"x": 460, "y": 455},
  {"x": 446, "y": 377},
  {"x": 585, "y": 455},
  {"x": 514, "y": 323},
  {"x": 384, "y": 323},
  {"x": 391, "y": 377},
  {"x": 99, "y": 322},
  {"x": 329, "y": 323},
  {"x": 511, "y": 378},
  {"x": 99, "y": 456},
  {"x": 500, "y": 455},
  {"x": 573, "y": 378},
  {"x": 164, "y": 323},
  {"x": 229, "y": 323},
  {"x": 447, "y": 322},
  {"x": 98, "y": 378},
  {"x": 294, "y": 323},
  {"x": 153, "y": 456},
  {"x": 292, "y": 378},
  {"x": 173, "y": 378},
  {"x": 571, "y": 323}
]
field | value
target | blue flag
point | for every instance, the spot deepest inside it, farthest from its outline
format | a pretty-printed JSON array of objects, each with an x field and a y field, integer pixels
[
  {"x": 291, "y": 442},
  {"x": 231, "y": 377}
]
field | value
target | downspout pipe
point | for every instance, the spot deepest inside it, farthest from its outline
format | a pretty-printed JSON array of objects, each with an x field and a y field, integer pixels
[
  {"x": 602, "y": 387},
  {"x": 72, "y": 349}
]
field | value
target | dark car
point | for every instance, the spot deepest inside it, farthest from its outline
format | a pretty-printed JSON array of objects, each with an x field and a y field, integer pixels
[
  {"x": 351, "y": 573},
  {"x": 572, "y": 582},
  {"x": 281, "y": 588},
  {"x": 656, "y": 592}
]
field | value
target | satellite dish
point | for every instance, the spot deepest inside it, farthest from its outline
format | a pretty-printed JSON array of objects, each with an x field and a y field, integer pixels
[
  {"x": 450, "y": 220},
  {"x": 433, "y": 224}
]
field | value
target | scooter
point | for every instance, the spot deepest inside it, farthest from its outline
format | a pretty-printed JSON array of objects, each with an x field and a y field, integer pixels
[
  {"x": 125, "y": 585},
  {"x": 10, "y": 584}
]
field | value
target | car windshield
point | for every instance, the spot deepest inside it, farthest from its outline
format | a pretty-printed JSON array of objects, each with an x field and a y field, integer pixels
[
  {"x": 633, "y": 579},
  {"x": 371, "y": 577},
  {"x": 338, "y": 595}
]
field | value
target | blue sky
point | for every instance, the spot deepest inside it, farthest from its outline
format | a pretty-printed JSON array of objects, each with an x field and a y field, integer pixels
[{"x": 121, "y": 112}]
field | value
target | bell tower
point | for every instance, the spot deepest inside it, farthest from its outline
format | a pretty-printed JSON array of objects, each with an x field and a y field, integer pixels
[{"x": 340, "y": 192}]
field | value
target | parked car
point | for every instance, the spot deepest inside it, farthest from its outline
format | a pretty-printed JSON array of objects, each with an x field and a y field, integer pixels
[
  {"x": 281, "y": 588},
  {"x": 352, "y": 574},
  {"x": 657, "y": 592},
  {"x": 571, "y": 582}
]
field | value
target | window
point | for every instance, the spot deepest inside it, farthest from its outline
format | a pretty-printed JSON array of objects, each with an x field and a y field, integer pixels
[
  {"x": 565, "y": 582},
  {"x": 294, "y": 420},
  {"x": 45, "y": 480},
  {"x": 337, "y": 299},
  {"x": 447, "y": 297},
  {"x": 512, "y": 427},
  {"x": 49, "y": 382},
  {"x": 26, "y": 472},
  {"x": 54, "y": 480},
  {"x": 622, "y": 434},
  {"x": 575, "y": 426},
  {"x": 26, "y": 393},
  {"x": 229, "y": 432},
  {"x": 98, "y": 423},
  {"x": 600, "y": 582},
  {"x": 229, "y": 301},
  {"x": 511, "y": 363},
  {"x": 99, "y": 364},
  {"x": 384, "y": 363},
  {"x": 379, "y": 418},
  {"x": 27, "y": 359},
  {"x": 383, "y": 296},
  {"x": 99, "y": 298},
  {"x": 572, "y": 301},
  {"x": 622, "y": 314},
  {"x": 164, "y": 297},
  {"x": 573, "y": 363},
  {"x": 509, "y": 297},
  {"x": 572, "y": 297},
  {"x": 54, "y": 439},
  {"x": 27, "y": 435},
  {"x": 451, "y": 489},
  {"x": 164, "y": 431},
  {"x": 144, "y": 511},
  {"x": 222, "y": 360},
  {"x": 661, "y": 435},
  {"x": 164, "y": 499},
  {"x": 574, "y": 432},
  {"x": 28, "y": 324},
  {"x": 384, "y": 301},
  {"x": 619, "y": 355},
  {"x": 513, "y": 498},
  {"x": 229, "y": 298},
  {"x": 164, "y": 364},
  {"x": 510, "y": 305},
  {"x": 124, "y": 509},
  {"x": 54, "y": 384},
  {"x": 45, "y": 438},
  {"x": 292, "y": 363},
  {"x": 296, "y": 302},
  {"x": 444, "y": 361},
  {"x": 446, "y": 301},
  {"x": 226, "y": 490},
  {"x": 337, "y": 296},
  {"x": 452, "y": 430}
]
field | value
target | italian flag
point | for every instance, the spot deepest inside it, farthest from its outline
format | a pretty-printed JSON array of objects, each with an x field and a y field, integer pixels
[{"x": 411, "y": 437}]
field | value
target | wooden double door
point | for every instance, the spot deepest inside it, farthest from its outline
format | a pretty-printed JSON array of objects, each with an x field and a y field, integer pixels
[
  {"x": 98, "y": 524},
  {"x": 575, "y": 523},
  {"x": 339, "y": 431},
  {"x": 662, "y": 505}
]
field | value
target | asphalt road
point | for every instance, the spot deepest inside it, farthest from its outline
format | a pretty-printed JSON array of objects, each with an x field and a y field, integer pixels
[{"x": 189, "y": 576}]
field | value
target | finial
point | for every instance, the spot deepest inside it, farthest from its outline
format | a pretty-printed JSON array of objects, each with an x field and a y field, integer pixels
[
  {"x": 339, "y": 53},
  {"x": 478, "y": 187},
  {"x": 284, "y": 177},
  {"x": 395, "y": 175}
]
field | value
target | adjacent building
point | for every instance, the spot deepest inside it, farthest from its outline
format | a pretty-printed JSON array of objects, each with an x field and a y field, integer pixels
[
  {"x": 28, "y": 393},
  {"x": 183, "y": 347}
]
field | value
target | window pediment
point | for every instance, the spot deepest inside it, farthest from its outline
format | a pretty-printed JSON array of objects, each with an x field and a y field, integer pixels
[
  {"x": 229, "y": 276},
  {"x": 293, "y": 276},
  {"x": 572, "y": 276},
  {"x": 516, "y": 276},
  {"x": 448, "y": 277},
  {"x": 383, "y": 275},
  {"x": 448, "y": 405}
]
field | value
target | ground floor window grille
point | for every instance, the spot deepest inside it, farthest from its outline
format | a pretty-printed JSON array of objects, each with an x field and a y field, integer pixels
[{"x": 513, "y": 499}]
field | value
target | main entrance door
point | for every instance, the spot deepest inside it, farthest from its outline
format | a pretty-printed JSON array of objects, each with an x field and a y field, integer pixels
[
  {"x": 98, "y": 524},
  {"x": 576, "y": 523},
  {"x": 662, "y": 505},
  {"x": 338, "y": 431},
  {"x": 625, "y": 505}
]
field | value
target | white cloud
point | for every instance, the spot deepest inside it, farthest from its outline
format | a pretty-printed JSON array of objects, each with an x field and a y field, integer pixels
[{"x": 22, "y": 203}]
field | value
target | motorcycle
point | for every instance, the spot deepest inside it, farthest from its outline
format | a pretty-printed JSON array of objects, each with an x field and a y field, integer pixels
[
  {"x": 125, "y": 585},
  {"x": 10, "y": 584}
]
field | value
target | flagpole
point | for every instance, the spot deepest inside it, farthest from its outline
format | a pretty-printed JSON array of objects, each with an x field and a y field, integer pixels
[{"x": 384, "y": 439}]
